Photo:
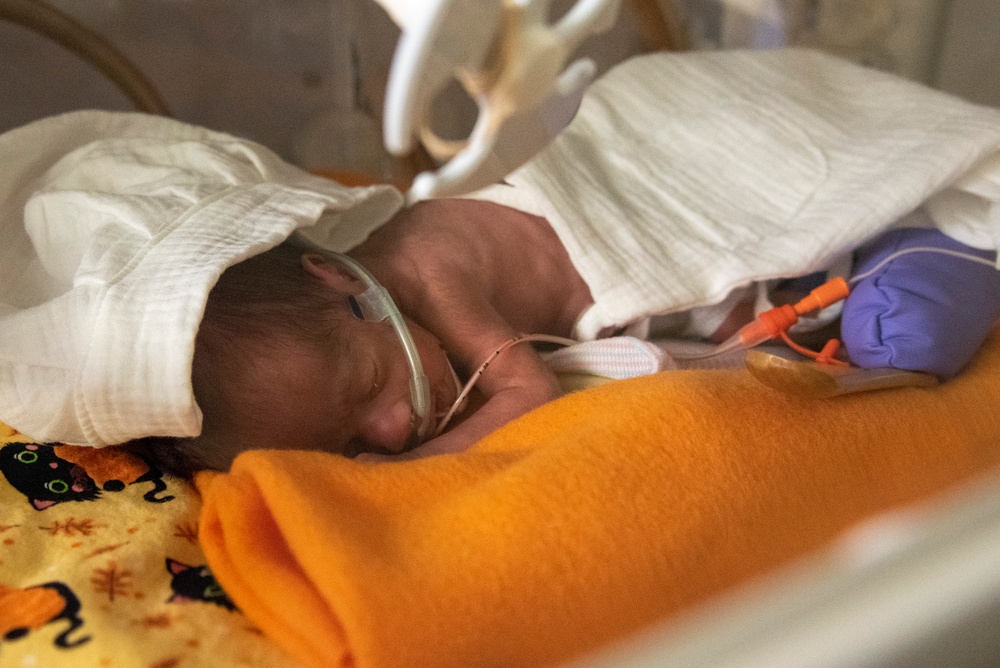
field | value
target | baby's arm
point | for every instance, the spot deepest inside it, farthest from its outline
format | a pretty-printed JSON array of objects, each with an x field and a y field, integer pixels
[
  {"x": 921, "y": 311},
  {"x": 474, "y": 275},
  {"x": 516, "y": 382},
  {"x": 459, "y": 314}
]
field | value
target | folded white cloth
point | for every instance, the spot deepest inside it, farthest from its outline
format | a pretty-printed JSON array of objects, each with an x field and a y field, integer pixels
[
  {"x": 685, "y": 176},
  {"x": 115, "y": 227}
]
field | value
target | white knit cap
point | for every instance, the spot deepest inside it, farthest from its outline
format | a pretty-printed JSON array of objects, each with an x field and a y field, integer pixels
[{"x": 114, "y": 229}]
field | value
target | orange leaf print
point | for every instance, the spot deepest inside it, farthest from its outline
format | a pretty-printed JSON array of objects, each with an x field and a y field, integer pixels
[{"x": 111, "y": 581}]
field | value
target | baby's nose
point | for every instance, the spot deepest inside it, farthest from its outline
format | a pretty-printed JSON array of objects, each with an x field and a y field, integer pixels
[{"x": 390, "y": 429}]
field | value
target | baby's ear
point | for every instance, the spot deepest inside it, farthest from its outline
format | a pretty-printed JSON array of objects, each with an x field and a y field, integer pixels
[{"x": 331, "y": 273}]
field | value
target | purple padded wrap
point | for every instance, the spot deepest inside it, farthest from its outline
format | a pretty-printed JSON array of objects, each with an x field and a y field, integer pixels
[{"x": 921, "y": 311}]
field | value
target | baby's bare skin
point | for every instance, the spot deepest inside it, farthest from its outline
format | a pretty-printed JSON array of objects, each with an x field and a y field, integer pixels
[{"x": 475, "y": 274}]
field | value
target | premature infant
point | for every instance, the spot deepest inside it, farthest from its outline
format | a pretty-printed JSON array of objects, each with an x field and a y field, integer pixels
[
  {"x": 686, "y": 182},
  {"x": 283, "y": 361}
]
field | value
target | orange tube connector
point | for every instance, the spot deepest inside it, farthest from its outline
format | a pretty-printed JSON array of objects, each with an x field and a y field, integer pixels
[
  {"x": 830, "y": 292},
  {"x": 773, "y": 323}
]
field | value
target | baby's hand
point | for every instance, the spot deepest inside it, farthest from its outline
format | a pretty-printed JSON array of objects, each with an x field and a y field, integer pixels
[
  {"x": 476, "y": 274},
  {"x": 517, "y": 396},
  {"x": 511, "y": 387}
]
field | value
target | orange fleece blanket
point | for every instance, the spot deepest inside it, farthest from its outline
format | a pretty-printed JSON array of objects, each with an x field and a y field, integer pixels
[{"x": 582, "y": 521}]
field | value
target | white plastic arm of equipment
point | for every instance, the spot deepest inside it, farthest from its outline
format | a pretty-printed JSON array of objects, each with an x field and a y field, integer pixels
[{"x": 509, "y": 59}]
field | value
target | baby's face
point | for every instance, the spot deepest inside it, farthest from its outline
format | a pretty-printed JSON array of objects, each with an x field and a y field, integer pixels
[
  {"x": 377, "y": 380},
  {"x": 353, "y": 397}
]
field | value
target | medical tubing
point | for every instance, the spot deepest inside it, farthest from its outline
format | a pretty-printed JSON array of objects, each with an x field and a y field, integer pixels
[
  {"x": 775, "y": 322},
  {"x": 482, "y": 367},
  {"x": 378, "y": 300},
  {"x": 69, "y": 33},
  {"x": 771, "y": 323},
  {"x": 922, "y": 249}
]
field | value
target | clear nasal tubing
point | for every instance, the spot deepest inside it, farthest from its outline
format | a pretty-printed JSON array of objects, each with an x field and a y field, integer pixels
[
  {"x": 378, "y": 305},
  {"x": 775, "y": 322}
]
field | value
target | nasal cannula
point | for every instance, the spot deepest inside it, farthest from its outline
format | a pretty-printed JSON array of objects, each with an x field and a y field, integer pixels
[
  {"x": 378, "y": 305},
  {"x": 768, "y": 325}
]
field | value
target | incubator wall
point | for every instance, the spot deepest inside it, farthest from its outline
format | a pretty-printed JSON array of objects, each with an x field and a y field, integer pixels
[
  {"x": 901, "y": 36},
  {"x": 950, "y": 44},
  {"x": 305, "y": 77},
  {"x": 265, "y": 69}
]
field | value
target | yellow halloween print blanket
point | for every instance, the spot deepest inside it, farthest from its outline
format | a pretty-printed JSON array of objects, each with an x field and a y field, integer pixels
[{"x": 100, "y": 566}]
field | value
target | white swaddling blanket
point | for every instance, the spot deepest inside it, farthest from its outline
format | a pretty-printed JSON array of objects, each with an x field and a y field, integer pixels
[
  {"x": 685, "y": 176},
  {"x": 114, "y": 229}
]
